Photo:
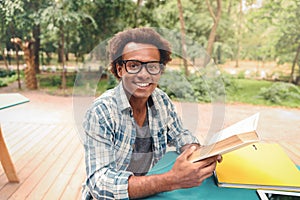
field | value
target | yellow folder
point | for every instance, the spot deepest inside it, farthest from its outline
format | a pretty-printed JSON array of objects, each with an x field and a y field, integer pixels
[{"x": 258, "y": 166}]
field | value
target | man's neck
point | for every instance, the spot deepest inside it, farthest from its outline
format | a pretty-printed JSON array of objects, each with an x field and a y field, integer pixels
[{"x": 139, "y": 108}]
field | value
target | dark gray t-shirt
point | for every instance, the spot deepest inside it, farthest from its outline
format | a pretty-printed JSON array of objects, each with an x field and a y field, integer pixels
[{"x": 142, "y": 154}]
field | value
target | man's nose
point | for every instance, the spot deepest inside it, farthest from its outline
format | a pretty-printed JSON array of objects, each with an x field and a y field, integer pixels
[{"x": 144, "y": 70}]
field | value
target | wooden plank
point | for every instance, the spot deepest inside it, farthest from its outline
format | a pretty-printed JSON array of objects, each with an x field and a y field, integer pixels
[
  {"x": 64, "y": 177},
  {"x": 54, "y": 170},
  {"x": 16, "y": 132},
  {"x": 46, "y": 161},
  {"x": 73, "y": 188},
  {"x": 29, "y": 153},
  {"x": 29, "y": 139},
  {"x": 10, "y": 128},
  {"x": 28, "y": 159},
  {"x": 34, "y": 158}
]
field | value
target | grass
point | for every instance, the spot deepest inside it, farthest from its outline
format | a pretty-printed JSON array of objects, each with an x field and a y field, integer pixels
[{"x": 248, "y": 91}]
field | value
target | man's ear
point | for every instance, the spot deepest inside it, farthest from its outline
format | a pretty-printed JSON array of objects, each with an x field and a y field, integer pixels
[{"x": 119, "y": 70}]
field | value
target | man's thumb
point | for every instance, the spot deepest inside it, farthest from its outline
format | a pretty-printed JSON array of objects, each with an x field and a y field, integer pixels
[{"x": 188, "y": 151}]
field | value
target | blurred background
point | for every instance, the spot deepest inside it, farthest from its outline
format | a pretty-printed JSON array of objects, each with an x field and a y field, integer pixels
[{"x": 254, "y": 43}]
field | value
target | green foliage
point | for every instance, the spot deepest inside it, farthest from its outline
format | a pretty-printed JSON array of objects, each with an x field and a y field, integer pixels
[
  {"x": 288, "y": 26},
  {"x": 49, "y": 81},
  {"x": 177, "y": 86},
  {"x": 2, "y": 83},
  {"x": 66, "y": 17},
  {"x": 102, "y": 86},
  {"x": 195, "y": 88},
  {"x": 281, "y": 92},
  {"x": 83, "y": 83},
  {"x": 7, "y": 76},
  {"x": 266, "y": 33},
  {"x": 112, "y": 82},
  {"x": 9, "y": 73},
  {"x": 54, "y": 80},
  {"x": 230, "y": 84}
]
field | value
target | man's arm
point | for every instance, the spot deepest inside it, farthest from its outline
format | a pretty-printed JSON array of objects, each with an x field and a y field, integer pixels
[{"x": 184, "y": 174}]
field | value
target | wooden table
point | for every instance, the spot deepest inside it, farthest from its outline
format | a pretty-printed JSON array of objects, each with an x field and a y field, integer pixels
[{"x": 6, "y": 101}]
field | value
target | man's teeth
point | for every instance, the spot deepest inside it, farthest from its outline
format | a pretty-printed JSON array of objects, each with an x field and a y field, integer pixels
[{"x": 142, "y": 84}]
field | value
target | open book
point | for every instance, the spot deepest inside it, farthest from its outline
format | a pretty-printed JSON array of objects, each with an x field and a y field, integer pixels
[{"x": 233, "y": 137}]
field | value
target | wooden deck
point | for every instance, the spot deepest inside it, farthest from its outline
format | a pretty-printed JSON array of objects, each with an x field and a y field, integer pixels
[
  {"x": 48, "y": 159},
  {"x": 50, "y": 164}
]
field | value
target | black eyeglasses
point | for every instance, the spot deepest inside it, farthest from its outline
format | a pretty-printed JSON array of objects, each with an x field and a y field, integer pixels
[{"x": 135, "y": 66}]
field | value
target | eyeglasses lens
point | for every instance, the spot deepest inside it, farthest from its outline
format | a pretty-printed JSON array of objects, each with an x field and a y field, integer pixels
[{"x": 136, "y": 66}]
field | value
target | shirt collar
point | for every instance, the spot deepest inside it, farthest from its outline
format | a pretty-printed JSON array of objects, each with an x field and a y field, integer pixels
[{"x": 122, "y": 99}]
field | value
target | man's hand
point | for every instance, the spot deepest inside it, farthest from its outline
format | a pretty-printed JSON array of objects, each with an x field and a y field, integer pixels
[
  {"x": 184, "y": 174},
  {"x": 187, "y": 174}
]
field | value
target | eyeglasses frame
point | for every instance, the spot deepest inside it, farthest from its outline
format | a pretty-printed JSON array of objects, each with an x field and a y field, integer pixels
[{"x": 143, "y": 64}]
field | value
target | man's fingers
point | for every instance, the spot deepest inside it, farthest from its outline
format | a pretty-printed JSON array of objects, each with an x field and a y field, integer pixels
[
  {"x": 219, "y": 158},
  {"x": 186, "y": 153}
]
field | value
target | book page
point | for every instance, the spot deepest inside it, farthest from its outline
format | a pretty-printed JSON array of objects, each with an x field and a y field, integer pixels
[{"x": 247, "y": 125}]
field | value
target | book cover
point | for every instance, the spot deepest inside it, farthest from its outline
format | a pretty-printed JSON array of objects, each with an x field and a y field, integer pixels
[
  {"x": 258, "y": 166},
  {"x": 233, "y": 137}
]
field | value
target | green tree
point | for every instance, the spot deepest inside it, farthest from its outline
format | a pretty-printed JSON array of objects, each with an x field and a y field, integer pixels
[
  {"x": 182, "y": 31},
  {"x": 273, "y": 32},
  {"x": 216, "y": 16},
  {"x": 288, "y": 44},
  {"x": 19, "y": 23},
  {"x": 61, "y": 16}
]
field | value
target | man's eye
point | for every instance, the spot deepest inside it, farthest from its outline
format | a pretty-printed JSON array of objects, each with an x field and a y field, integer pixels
[
  {"x": 153, "y": 67},
  {"x": 134, "y": 66}
]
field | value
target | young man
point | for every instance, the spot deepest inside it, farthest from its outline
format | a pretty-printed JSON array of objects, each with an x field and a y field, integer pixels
[{"x": 128, "y": 127}]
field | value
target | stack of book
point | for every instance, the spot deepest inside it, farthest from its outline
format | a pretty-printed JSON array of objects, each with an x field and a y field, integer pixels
[
  {"x": 248, "y": 162},
  {"x": 258, "y": 166}
]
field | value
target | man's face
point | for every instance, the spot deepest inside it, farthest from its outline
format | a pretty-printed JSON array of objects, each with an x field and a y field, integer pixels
[{"x": 142, "y": 84}]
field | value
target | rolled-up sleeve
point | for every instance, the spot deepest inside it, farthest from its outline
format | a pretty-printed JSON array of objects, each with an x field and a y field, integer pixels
[{"x": 105, "y": 179}]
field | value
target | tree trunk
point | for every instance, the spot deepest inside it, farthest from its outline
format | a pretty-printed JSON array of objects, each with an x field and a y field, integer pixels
[
  {"x": 36, "y": 47},
  {"x": 183, "y": 43},
  {"x": 36, "y": 32},
  {"x": 18, "y": 66},
  {"x": 3, "y": 41},
  {"x": 4, "y": 58},
  {"x": 30, "y": 75},
  {"x": 294, "y": 64},
  {"x": 63, "y": 73},
  {"x": 237, "y": 58},
  {"x": 216, "y": 19}
]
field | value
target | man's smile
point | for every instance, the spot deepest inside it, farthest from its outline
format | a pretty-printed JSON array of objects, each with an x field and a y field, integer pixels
[{"x": 143, "y": 84}]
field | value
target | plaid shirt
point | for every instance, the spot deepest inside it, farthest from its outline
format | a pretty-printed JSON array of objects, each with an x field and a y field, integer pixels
[{"x": 110, "y": 134}]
